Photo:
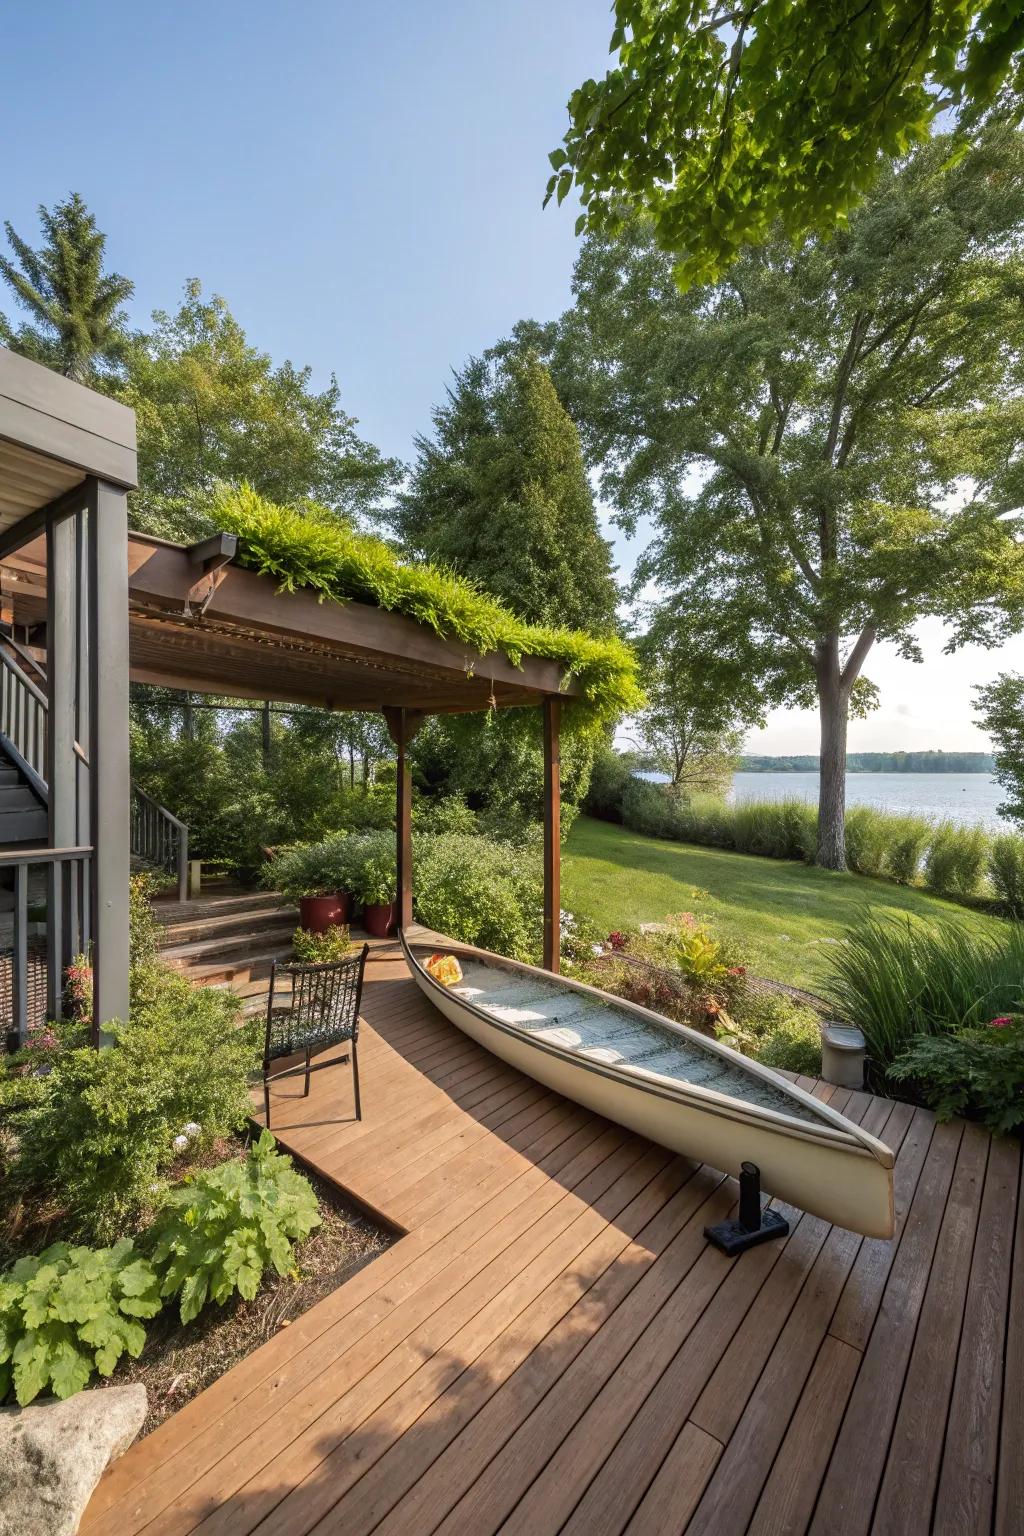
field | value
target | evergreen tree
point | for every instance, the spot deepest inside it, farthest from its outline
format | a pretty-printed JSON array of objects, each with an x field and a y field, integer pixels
[
  {"x": 78, "y": 323},
  {"x": 501, "y": 494}
]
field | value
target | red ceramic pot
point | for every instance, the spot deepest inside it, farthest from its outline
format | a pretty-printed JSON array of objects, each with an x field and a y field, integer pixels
[
  {"x": 318, "y": 913},
  {"x": 379, "y": 918}
]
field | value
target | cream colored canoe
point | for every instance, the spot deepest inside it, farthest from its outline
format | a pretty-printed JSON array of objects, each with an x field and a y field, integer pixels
[{"x": 667, "y": 1082}]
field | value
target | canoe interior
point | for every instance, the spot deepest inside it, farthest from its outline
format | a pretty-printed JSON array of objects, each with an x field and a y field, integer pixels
[{"x": 600, "y": 1032}]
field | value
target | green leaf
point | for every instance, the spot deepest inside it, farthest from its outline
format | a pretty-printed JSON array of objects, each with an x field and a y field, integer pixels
[
  {"x": 69, "y": 1370},
  {"x": 193, "y": 1294}
]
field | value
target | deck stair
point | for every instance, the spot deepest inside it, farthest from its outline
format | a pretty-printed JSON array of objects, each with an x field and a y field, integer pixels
[
  {"x": 229, "y": 939},
  {"x": 23, "y": 817}
]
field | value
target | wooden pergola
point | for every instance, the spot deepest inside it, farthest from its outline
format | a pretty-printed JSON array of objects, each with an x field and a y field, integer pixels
[{"x": 200, "y": 623}]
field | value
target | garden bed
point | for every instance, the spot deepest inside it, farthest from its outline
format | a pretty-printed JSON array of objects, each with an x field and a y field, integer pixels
[{"x": 180, "y": 1360}]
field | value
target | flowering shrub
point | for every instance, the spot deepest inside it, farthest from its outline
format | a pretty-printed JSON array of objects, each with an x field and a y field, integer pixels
[
  {"x": 978, "y": 1072},
  {"x": 78, "y": 989}
]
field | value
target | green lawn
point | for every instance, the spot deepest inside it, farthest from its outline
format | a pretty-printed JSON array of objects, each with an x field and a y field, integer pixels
[{"x": 781, "y": 914}]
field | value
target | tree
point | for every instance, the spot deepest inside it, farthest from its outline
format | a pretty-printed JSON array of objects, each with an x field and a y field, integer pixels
[
  {"x": 501, "y": 494},
  {"x": 698, "y": 704},
  {"x": 722, "y": 118},
  {"x": 1001, "y": 714},
  {"x": 211, "y": 406},
  {"x": 77, "y": 308},
  {"x": 822, "y": 439}
]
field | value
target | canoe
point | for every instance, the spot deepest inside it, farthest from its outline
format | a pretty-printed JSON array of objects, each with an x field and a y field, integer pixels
[{"x": 667, "y": 1082}]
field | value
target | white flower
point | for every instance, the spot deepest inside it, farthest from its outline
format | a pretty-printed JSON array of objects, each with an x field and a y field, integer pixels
[
  {"x": 597, "y": 949},
  {"x": 192, "y": 1130},
  {"x": 180, "y": 1143}
]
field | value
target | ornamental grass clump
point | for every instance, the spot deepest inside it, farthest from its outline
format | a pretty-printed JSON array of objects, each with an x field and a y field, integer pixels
[
  {"x": 956, "y": 860},
  {"x": 311, "y": 548},
  {"x": 1006, "y": 872}
]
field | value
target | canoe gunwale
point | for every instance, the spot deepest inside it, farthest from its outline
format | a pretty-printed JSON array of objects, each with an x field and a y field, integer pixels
[{"x": 836, "y": 1131}]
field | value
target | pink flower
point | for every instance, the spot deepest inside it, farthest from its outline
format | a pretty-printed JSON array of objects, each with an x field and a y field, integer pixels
[
  {"x": 1002, "y": 1022},
  {"x": 737, "y": 970}
]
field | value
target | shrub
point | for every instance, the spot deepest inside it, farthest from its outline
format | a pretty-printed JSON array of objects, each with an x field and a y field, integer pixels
[
  {"x": 868, "y": 835},
  {"x": 956, "y": 859},
  {"x": 104, "y": 1128},
  {"x": 479, "y": 891},
  {"x": 609, "y": 777},
  {"x": 217, "y": 1233},
  {"x": 899, "y": 979},
  {"x": 706, "y": 819},
  {"x": 322, "y": 948},
  {"x": 1006, "y": 872},
  {"x": 978, "y": 1072},
  {"x": 311, "y": 869},
  {"x": 372, "y": 868},
  {"x": 69, "y": 1311},
  {"x": 909, "y": 837},
  {"x": 794, "y": 1045},
  {"x": 649, "y": 809},
  {"x": 448, "y": 813}
]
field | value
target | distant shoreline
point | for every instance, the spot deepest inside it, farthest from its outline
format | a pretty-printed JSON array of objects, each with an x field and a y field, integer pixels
[{"x": 877, "y": 762}]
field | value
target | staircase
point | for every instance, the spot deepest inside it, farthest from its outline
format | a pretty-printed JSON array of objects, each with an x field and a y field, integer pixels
[
  {"x": 229, "y": 939},
  {"x": 23, "y": 817}
]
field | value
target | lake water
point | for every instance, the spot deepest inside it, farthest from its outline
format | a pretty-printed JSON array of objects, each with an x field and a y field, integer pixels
[{"x": 965, "y": 797}]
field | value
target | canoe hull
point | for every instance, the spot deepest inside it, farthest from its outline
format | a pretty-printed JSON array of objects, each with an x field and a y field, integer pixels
[{"x": 843, "y": 1184}]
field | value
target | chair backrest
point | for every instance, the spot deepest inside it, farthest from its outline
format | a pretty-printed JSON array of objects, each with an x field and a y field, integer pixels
[{"x": 325, "y": 999}]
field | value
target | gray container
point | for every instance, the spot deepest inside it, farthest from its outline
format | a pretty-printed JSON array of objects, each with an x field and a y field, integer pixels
[{"x": 843, "y": 1049}]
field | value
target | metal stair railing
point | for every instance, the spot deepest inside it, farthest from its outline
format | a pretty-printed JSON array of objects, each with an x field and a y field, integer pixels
[{"x": 158, "y": 837}]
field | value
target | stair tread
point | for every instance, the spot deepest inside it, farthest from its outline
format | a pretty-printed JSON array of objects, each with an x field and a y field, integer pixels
[
  {"x": 228, "y": 922},
  {"x": 226, "y": 943},
  {"x": 201, "y": 908},
  {"x": 221, "y": 967}
]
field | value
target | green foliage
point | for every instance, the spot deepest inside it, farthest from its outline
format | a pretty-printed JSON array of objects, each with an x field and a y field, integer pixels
[
  {"x": 885, "y": 843},
  {"x": 482, "y": 892},
  {"x": 104, "y": 1129},
  {"x": 1001, "y": 714},
  {"x": 610, "y": 776},
  {"x": 1006, "y": 872},
  {"x": 211, "y": 406},
  {"x": 501, "y": 495},
  {"x": 313, "y": 869},
  {"x": 216, "y": 1233},
  {"x": 717, "y": 122},
  {"x": 78, "y": 320},
  {"x": 321, "y": 554},
  {"x": 373, "y": 868},
  {"x": 897, "y": 980},
  {"x": 801, "y": 434},
  {"x": 778, "y": 1032},
  {"x": 448, "y": 813},
  {"x": 334, "y": 944},
  {"x": 956, "y": 860},
  {"x": 70, "y": 1311},
  {"x": 977, "y": 1072}
]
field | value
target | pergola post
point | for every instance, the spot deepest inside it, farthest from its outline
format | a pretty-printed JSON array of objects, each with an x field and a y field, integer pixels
[
  {"x": 402, "y": 726},
  {"x": 109, "y": 780},
  {"x": 61, "y": 767},
  {"x": 552, "y": 835}
]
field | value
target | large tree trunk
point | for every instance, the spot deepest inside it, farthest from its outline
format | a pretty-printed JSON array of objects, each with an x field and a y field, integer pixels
[{"x": 833, "y": 710}]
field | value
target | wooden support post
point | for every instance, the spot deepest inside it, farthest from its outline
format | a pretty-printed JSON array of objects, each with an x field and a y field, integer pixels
[
  {"x": 402, "y": 726},
  {"x": 62, "y": 579},
  {"x": 552, "y": 836},
  {"x": 109, "y": 783}
]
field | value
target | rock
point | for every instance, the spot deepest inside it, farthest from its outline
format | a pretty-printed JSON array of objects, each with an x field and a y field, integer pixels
[{"x": 53, "y": 1454}]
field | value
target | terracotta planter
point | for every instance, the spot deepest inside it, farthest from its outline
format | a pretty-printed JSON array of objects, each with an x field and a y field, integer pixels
[
  {"x": 379, "y": 918},
  {"x": 318, "y": 913}
]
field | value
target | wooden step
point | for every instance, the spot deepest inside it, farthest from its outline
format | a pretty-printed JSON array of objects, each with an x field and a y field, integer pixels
[
  {"x": 237, "y": 971},
  {"x": 233, "y": 945},
  {"x": 213, "y": 903},
  {"x": 251, "y": 920},
  {"x": 24, "y": 826}
]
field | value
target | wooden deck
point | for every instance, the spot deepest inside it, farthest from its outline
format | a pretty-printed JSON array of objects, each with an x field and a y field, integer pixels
[{"x": 553, "y": 1346}]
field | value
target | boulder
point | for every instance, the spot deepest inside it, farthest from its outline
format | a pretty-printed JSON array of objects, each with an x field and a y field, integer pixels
[{"x": 53, "y": 1454}]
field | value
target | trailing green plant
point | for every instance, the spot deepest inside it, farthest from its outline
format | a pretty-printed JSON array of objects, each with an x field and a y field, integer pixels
[
  {"x": 103, "y": 1126},
  {"x": 334, "y": 944},
  {"x": 1006, "y": 872},
  {"x": 900, "y": 979},
  {"x": 69, "y": 1311},
  {"x": 373, "y": 868},
  {"x": 479, "y": 891},
  {"x": 956, "y": 859},
  {"x": 311, "y": 548},
  {"x": 216, "y": 1233},
  {"x": 977, "y": 1072}
]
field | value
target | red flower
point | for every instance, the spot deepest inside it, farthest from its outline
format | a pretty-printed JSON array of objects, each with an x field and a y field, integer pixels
[
  {"x": 617, "y": 940},
  {"x": 1002, "y": 1022},
  {"x": 737, "y": 970}
]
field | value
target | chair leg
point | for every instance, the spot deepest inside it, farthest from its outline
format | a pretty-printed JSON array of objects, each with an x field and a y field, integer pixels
[
  {"x": 266, "y": 1101},
  {"x": 305, "y": 1091},
  {"x": 355, "y": 1079}
]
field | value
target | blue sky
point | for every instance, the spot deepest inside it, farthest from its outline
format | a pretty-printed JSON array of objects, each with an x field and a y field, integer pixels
[{"x": 363, "y": 184}]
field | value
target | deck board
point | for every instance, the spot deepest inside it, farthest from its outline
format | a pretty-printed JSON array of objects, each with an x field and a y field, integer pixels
[{"x": 550, "y": 1345}]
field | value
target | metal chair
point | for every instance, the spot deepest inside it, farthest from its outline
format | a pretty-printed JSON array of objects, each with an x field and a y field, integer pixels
[{"x": 322, "y": 1010}]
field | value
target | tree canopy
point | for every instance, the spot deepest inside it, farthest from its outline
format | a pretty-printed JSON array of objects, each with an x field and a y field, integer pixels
[
  {"x": 211, "y": 407},
  {"x": 78, "y": 322},
  {"x": 721, "y": 119},
  {"x": 826, "y": 439},
  {"x": 500, "y": 494}
]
